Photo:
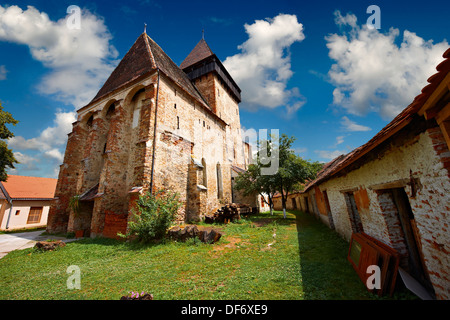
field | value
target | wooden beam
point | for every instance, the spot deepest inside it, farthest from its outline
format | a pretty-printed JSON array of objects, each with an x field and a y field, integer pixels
[
  {"x": 401, "y": 183},
  {"x": 349, "y": 190},
  {"x": 444, "y": 114},
  {"x": 437, "y": 94},
  {"x": 445, "y": 128}
]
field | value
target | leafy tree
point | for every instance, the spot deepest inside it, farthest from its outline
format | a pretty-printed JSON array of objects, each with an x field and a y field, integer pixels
[
  {"x": 251, "y": 182},
  {"x": 7, "y": 158},
  {"x": 293, "y": 171}
]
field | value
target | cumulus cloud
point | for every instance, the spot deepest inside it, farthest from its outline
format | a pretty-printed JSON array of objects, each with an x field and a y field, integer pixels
[
  {"x": 349, "y": 125},
  {"x": 54, "y": 154},
  {"x": 79, "y": 60},
  {"x": 26, "y": 162},
  {"x": 51, "y": 137},
  {"x": 373, "y": 73},
  {"x": 263, "y": 67}
]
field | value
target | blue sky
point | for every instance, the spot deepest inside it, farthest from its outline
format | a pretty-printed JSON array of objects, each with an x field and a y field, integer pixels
[{"x": 311, "y": 69}]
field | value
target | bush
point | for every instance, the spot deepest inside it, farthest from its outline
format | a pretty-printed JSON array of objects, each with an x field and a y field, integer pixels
[{"x": 155, "y": 215}]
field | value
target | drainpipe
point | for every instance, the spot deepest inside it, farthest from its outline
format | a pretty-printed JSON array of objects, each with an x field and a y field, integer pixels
[
  {"x": 9, "y": 214},
  {"x": 154, "y": 134}
]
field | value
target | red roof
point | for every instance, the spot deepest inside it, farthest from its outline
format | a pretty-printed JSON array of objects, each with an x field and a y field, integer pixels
[{"x": 21, "y": 187}]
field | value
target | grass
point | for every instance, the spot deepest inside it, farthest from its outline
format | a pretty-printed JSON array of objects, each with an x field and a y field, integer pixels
[{"x": 305, "y": 260}]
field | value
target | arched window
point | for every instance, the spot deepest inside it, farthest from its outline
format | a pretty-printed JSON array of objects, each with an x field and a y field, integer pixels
[
  {"x": 89, "y": 122},
  {"x": 205, "y": 178},
  {"x": 219, "y": 181},
  {"x": 137, "y": 103},
  {"x": 110, "y": 111}
]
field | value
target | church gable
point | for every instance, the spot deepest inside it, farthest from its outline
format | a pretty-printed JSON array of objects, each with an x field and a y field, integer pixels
[{"x": 135, "y": 63}]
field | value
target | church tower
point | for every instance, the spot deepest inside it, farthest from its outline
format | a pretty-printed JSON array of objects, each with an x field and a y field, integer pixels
[{"x": 216, "y": 85}]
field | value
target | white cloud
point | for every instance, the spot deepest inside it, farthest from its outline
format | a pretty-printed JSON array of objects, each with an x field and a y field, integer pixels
[
  {"x": 329, "y": 155},
  {"x": 3, "y": 73},
  {"x": 339, "y": 140},
  {"x": 54, "y": 154},
  {"x": 79, "y": 60},
  {"x": 263, "y": 67},
  {"x": 50, "y": 138},
  {"x": 349, "y": 125},
  {"x": 374, "y": 74},
  {"x": 26, "y": 162}
]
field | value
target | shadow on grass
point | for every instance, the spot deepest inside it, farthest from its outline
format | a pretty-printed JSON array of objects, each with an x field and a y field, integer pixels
[
  {"x": 326, "y": 274},
  {"x": 325, "y": 271}
]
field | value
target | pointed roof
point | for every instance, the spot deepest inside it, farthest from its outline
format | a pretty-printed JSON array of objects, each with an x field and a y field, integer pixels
[
  {"x": 200, "y": 52},
  {"x": 135, "y": 63},
  {"x": 143, "y": 57},
  {"x": 202, "y": 61}
]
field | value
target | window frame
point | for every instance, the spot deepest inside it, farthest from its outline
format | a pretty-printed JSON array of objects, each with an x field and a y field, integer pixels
[{"x": 31, "y": 215}]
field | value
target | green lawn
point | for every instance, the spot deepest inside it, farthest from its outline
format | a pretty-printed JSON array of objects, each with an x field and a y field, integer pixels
[{"x": 306, "y": 261}]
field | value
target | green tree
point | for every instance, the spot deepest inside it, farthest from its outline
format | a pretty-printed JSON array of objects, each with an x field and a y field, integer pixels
[
  {"x": 290, "y": 174},
  {"x": 252, "y": 182},
  {"x": 293, "y": 170},
  {"x": 7, "y": 158}
]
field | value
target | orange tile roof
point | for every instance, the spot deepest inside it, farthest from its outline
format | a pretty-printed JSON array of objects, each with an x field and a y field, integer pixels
[{"x": 21, "y": 187}]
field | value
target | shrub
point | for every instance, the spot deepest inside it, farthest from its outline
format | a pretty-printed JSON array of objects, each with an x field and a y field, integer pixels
[{"x": 155, "y": 215}]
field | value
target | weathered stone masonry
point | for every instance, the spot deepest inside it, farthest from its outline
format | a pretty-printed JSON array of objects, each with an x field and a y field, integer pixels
[{"x": 151, "y": 120}]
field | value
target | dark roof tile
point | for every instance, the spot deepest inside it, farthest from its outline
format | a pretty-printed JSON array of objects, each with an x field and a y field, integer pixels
[
  {"x": 143, "y": 57},
  {"x": 200, "y": 52}
]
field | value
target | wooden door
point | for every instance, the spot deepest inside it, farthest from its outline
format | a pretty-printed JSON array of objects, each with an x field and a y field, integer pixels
[{"x": 416, "y": 265}]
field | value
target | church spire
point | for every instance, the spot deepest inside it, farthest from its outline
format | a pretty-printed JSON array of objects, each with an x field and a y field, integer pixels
[
  {"x": 145, "y": 28},
  {"x": 200, "y": 52}
]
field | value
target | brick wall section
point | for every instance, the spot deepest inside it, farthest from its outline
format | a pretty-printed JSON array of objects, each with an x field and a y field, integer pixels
[
  {"x": 115, "y": 223},
  {"x": 440, "y": 147},
  {"x": 68, "y": 180}
]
